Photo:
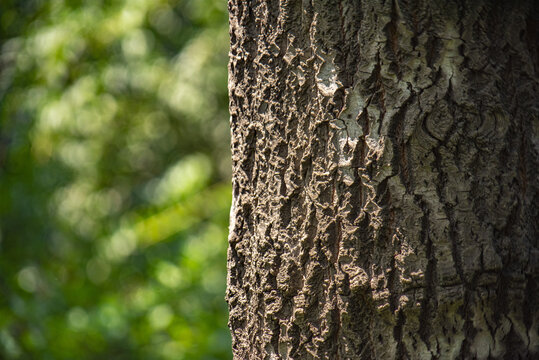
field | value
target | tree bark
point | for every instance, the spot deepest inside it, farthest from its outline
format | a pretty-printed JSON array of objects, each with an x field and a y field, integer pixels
[{"x": 385, "y": 179}]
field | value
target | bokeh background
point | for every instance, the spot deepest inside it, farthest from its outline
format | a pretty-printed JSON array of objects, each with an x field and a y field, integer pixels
[{"x": 114, "y": 179}]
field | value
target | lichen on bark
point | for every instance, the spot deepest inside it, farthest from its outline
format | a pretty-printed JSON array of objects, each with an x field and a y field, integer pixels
[{"x": 385, "y": 179}]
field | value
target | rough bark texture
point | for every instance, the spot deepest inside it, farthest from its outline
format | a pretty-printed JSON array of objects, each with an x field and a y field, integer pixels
[{"x": 385, "y": 161}]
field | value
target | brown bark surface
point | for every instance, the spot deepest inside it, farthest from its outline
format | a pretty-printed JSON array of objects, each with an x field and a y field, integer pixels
[{"x": 385, "y": 161}]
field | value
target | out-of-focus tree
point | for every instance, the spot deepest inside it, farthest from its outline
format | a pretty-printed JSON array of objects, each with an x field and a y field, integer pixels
[{"x": 114, "y": 188}]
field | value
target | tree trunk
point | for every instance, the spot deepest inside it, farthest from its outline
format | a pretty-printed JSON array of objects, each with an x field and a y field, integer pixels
[{"x": 385, "y": 158}]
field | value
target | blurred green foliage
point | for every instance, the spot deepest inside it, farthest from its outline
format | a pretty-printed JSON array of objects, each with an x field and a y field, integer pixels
[{"x": 114, "y": 190}]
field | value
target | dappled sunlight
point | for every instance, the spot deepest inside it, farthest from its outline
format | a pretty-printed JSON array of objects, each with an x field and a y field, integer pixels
[{"x": 114, "y": 179}]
